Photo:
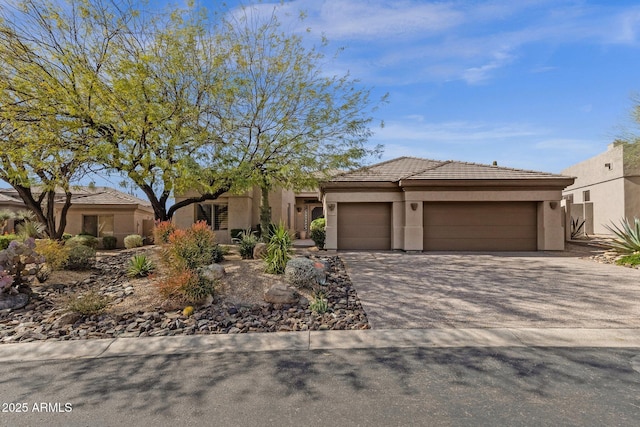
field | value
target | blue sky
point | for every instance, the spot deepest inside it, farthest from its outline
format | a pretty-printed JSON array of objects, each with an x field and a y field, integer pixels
[{"x": 530, "y": 84}]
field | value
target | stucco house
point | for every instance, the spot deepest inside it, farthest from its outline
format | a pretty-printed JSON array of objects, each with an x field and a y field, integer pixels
[
  {"x": 231, "y": 212},
  {"x": 9, "y": 203},
  {"x": 606, "y": 188},
  {"x": 101, "y": 211},
  {"x": 415, "y": 204}
]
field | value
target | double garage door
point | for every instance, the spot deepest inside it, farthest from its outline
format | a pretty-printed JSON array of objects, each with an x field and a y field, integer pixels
[
  {"x": 448, "y": 226},
  {"x": 480, "y": 226}
]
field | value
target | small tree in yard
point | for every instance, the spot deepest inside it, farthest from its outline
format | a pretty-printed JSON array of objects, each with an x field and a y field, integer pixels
[{"x": 285, "y": 118}]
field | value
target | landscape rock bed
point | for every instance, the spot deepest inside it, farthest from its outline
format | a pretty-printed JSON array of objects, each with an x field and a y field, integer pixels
[{"x": 44, "y": 318}]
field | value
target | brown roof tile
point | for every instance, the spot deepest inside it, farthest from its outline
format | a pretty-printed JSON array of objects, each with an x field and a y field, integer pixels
[{"x": 412, "y": 168}]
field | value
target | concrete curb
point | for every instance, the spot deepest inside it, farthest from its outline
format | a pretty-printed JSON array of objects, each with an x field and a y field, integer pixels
[{"x": 320, "y": 340}]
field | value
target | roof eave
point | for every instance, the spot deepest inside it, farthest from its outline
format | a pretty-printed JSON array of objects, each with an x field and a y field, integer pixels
[{"x": 556, "y": 182}]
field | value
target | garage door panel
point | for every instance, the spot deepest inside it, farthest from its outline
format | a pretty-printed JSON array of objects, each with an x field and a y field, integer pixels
[
  {"x": 481, "y": 232},
  {"x": 364, "y": 226},
  {"x": 475, "y": 226}
]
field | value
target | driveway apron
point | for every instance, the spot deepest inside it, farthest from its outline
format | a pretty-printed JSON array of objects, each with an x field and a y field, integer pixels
[{"x": 489, "y": 290}]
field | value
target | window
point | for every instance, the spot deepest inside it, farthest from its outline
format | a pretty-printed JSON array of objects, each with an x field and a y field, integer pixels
[
  {"x": 98, "y": 225},
  {"x": 586, "y": 196},
  {"x": 216, "y": 216}
]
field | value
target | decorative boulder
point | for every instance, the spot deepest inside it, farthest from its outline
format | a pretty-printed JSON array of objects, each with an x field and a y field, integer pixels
[
  {"x": 212, "y": 272},
  {"x": 13, "y": 302},
  {"x": 259, "y": 250},
  {"x": 281, "y": 294},
  {"x": 301, "y": 273}
]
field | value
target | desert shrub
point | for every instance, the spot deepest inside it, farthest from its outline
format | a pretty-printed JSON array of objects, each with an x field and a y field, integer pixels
[
  {"x": 185, "y": 285},
  {"x": 6, "y": 239},
  {"x": 109, "y": 242},
  {"x": 140, "y": 266},
  {"x": 236, "y": 233},
  {"x": 81, "y": 258},
  {"x": 278, "y": 250},
  {"x": 627, "y": 238},
  {"x": 133, "y": 241},
  {"x": 30, "y": 228},
  {"x": 82, "y": 240},
  {"x": 192, "y": 248},
  {"x": 161, "y": 232},
  {"x": 318, "y": 233},
  {"x": 319, "y": 304},
  {"x": 301, "y": 273},
  {"x": 88, "y": 304},
  {"x": 54, "y": 253},
  {"x": 246, "y": 241}
]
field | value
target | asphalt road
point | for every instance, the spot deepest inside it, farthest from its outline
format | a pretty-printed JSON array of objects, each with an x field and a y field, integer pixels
[{"x": 369, "y": 387}]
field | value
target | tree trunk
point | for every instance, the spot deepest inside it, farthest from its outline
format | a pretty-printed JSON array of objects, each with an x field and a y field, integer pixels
[{"x": 265, "y": 213}]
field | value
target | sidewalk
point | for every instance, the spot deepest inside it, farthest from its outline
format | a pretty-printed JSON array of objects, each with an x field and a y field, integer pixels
[{"x": 320, "y": 340}]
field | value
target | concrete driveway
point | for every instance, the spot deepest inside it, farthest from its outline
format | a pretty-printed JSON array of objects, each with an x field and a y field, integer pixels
[{"x": 493, "y": 290}]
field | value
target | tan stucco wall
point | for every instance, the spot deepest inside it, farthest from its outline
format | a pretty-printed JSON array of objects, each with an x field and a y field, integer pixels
[
  {"x": 244, "y": 210},
  {"x": 407, "y": 224},
  {"x": 125, "y": 221},
  {"x": 612, "y": 196}
]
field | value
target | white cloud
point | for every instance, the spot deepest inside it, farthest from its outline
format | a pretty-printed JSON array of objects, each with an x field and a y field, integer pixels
[
  {"x": 455, "y": 132},
  {"x": 414, "y": 41}
]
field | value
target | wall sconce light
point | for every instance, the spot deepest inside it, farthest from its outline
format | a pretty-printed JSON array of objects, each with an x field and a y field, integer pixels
[
  {"x": 299, "y": 209},
  {"x": 331, "y": 206},
  {"x": 607, "y": 165},
  {"x": 553, "y": 205},
  {"x": 414, "y": 206}
]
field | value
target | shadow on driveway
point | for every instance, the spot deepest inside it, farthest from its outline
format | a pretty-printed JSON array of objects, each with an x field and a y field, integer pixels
[{"x": 465, "y": 290}]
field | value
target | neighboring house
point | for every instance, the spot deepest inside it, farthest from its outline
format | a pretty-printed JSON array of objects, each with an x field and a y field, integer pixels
[
  {"x": 241, "y": 212},
  {"x": 606, "y": 188},
  {"x": 102, "y": 211},
  {"x": 416, "y": 204},
  {"x": 10, "y": 203}
]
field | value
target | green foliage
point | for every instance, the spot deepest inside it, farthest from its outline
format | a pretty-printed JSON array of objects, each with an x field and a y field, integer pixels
[
  {"x": 133, "y": 241},
  {"x": 55, "y": 253},
  {"x": 140, "y": 266},
  {"x": 81, "y": 258},
  {"x": 318, "y": 233},
  {"x": 82, "y": 240},
  {"x": 627, "y": 236},
  {"x": 278, "y": 250},
  {"x": 577, "y": 227},
  {"x": 88, "y": 304},
  {"x": 109, "y": 242},
  {"x": 6, "y": 239},
  {"x": 629, "y": 260},
  {"x": 161, "y": 232},
  {"x": 319, "y": 304},
  {"x": 246, "y": 241},
  {"x": 30, "y": 229}
]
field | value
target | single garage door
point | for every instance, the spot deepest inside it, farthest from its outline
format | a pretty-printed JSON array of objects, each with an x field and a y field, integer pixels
[
  {"x": 364, "y": 226},
  {"x": 480, "y": 226}
]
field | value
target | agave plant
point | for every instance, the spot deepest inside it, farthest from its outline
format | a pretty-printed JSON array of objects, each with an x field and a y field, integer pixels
[{"x": 627, "y": 236}]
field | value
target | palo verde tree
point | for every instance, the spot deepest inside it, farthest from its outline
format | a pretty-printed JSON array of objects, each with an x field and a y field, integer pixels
[
  {"x": 135, "y": 91},
  {"x": 287, "y": 120},
  {"x": 42, "y": 147}
]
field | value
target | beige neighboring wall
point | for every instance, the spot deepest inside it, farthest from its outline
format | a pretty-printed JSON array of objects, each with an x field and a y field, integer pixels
[
  {"x": 611, "y": 195},
  {"x": 126, "y": 220}
]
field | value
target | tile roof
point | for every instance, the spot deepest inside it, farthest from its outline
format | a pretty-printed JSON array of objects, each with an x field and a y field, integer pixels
[
  {"x": 412, "y": 168},
  {"x": 8, "y": 199},
  {"x": 89, "y": 196},
  {"x": 104, "y": 196}
]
